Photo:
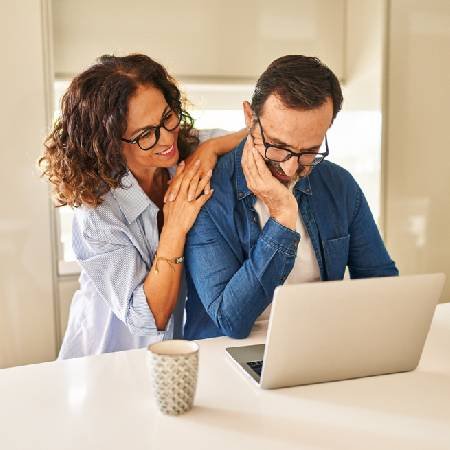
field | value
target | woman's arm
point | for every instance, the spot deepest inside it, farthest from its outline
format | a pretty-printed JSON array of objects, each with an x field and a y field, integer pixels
[
  {"x": 223, "y": 144},
  {"x": 207, "y": 153},
  {"x": 162, "y": 283}
]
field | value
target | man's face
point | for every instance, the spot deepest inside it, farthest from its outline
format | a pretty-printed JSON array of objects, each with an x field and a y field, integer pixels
[{"x": 296, "y": 130}]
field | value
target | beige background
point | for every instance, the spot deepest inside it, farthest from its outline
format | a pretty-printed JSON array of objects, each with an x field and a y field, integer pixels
[
  {"x": 27, "y": 308},
  {"x": 200, "y": 39},
  {"x": 416, "y": 153}
]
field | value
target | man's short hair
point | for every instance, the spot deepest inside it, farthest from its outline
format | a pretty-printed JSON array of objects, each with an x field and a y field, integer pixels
[{"x": 300, "y": 82}]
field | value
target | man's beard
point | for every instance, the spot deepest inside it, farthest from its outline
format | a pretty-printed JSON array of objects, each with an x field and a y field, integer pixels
[{"x": 275, "y": 168}]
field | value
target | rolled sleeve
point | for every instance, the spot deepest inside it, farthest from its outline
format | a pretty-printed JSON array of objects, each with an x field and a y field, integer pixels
[
  {"x": 204, "y": 135},
  {"x": 280, "y": 237},
  {"x": 140, "y": 319}
]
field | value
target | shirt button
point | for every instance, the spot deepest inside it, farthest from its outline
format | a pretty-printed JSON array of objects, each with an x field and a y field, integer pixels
[{"x": 255, "y": 219}]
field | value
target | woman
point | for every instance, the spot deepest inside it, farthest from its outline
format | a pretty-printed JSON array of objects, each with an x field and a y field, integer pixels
[{"x": 111, "y": 155}]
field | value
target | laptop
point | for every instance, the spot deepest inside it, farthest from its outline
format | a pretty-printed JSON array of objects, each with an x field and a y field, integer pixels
[{"x": 338, "y": 330}]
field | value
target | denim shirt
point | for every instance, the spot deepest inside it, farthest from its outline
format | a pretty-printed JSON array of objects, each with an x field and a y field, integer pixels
[{"x": 233, "y": 267}]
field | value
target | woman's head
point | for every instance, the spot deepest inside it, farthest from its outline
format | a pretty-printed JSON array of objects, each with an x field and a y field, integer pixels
[{"x": 116, "y": 100}]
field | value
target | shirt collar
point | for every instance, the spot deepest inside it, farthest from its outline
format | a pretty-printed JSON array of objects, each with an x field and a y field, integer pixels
[
  {"x": 242, "y": 190},
  {"x": 303, "y": 185},
  {"x": 131, "y": 198}
]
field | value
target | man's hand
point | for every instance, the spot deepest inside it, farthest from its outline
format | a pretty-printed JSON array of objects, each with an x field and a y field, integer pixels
[{"x": 280, "y": 202}]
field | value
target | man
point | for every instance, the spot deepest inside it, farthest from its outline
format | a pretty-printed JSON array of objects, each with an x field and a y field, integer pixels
[{"x": 279, "y": 213}]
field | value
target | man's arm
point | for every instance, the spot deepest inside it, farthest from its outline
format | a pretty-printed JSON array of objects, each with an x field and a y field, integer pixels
[{"x": 235, "y": 292}]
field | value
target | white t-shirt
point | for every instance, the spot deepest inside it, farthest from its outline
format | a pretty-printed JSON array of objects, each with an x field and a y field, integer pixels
[{"x": 306, "y": 269}]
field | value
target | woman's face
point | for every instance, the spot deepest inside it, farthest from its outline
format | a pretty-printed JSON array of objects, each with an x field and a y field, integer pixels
[{"x": 146, "y": 109}]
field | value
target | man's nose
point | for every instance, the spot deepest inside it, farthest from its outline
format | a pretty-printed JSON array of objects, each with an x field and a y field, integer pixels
[{"x": 290, "y": 166}]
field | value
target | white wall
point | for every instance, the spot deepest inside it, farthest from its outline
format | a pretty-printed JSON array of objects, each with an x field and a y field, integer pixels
[
  {"x": 417, "y": 162},
  {"x": 358, "y": 127},
  {"x": 27, "y": 326},
  {"x": 365, "y": 21}
]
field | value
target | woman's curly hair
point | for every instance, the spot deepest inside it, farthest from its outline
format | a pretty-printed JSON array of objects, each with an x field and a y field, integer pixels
[{"x": 83, "y": 153}]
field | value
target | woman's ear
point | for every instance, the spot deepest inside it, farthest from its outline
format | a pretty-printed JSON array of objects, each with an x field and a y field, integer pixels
[{"x": 248, "y": 115}]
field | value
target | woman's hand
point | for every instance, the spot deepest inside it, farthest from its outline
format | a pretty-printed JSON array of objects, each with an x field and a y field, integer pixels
[
  {"x": 205, "y": 157},
  {"x": 162, "y": 284},
  {"x": 193, "y": 193}
]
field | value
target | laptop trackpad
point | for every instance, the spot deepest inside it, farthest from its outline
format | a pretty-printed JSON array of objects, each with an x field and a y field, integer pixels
[{"x": 250, "y": 358}]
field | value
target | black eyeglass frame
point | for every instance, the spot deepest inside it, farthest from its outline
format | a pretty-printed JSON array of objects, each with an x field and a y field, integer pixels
[
  {"x": 157, "y": 130},
  {"x": 291, "y": 154}
]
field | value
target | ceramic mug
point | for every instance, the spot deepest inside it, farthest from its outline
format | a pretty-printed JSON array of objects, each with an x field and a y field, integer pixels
[{"x": 173, "y": 368}]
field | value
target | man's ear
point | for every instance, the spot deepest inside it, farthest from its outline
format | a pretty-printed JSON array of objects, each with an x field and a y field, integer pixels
[{"x": 248, "y": 114}]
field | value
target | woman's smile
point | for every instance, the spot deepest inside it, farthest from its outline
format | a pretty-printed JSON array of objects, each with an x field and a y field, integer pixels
[{"x": 168, "y": 152}]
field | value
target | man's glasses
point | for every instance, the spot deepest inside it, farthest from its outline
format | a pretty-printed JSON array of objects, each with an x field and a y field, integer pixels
[
  {"x": 149, "y": 137},
  {"x": 279, "y": 153}
]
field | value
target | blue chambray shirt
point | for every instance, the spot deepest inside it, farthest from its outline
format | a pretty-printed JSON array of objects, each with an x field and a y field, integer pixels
[
  {"x": 233, "y": 267},
  {"x": 115, "y": 244}
]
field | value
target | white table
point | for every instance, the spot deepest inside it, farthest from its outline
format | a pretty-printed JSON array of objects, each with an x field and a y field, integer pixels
[{"x": 105, "y": 402}]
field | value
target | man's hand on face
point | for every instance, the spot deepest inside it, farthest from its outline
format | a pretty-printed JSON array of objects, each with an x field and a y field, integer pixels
[{"x": 279, "y": 200}]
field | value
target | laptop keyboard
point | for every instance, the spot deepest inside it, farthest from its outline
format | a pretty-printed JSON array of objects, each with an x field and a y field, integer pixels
[{"x": 256, "y": 366}]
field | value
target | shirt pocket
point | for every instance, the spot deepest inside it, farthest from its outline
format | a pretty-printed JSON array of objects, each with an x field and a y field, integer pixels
[{"x": 336, "y": 256}]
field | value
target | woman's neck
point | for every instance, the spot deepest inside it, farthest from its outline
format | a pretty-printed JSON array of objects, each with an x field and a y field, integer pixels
[
  {"x": 153, "y": 182},
  {"x": 144, "y": 177}
]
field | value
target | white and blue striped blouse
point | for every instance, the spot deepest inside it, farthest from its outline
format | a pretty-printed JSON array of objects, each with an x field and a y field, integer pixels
[{"x": 115, "y": 244}]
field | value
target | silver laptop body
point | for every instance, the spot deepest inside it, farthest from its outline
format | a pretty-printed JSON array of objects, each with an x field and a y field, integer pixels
[{"x": 336, "y": 330}]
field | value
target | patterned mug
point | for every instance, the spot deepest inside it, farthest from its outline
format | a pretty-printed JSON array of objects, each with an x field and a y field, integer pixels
[{"x": 173, "y": 371}]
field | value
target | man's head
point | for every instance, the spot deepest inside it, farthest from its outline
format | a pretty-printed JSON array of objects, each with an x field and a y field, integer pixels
[{"x": 294, "y": 104}]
